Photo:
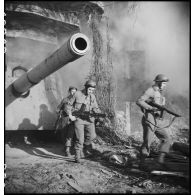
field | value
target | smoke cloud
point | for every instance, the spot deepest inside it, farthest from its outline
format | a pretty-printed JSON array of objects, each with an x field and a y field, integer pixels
[{"x": 161, "y": 29}]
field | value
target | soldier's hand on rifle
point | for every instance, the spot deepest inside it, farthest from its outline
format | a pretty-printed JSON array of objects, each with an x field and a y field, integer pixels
[
  {"x": 152, "y": 108},
  {"x": 71, "y": 117},
  {"x": 101, "y": 120}
]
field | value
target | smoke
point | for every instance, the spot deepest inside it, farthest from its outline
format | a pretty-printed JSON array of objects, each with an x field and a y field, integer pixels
[{"x": 161, "y": 29}]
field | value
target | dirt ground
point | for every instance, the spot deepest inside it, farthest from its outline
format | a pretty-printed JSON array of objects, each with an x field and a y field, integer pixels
[{"x": 43, "y": 168}]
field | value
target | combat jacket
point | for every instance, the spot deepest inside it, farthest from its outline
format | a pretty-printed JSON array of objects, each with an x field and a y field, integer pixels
[
  {"x": 82, "y": 102},
  {"x": 152, "y": 94},
  {"x": 64, "y": 101}
]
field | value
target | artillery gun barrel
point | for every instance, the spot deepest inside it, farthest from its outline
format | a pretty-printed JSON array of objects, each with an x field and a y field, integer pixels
[{"x": 76, "y": 46}]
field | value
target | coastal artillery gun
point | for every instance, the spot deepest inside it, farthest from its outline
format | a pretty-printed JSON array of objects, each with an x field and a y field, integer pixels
[
  {"x": 26, "y": 105},
  {"x": 76, "y": 46}
]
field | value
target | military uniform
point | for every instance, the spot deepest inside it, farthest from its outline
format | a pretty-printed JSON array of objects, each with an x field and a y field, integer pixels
[
  {"x": 84, "y": 127},
  {"x": 67, "y": 125},
  {"x": 152, "y": 122}
]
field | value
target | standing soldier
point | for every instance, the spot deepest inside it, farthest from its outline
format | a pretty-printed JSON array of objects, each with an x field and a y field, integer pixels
[
  {"x": 66, "y": 126},
  {"x": 152, "y": 118},
  {"x": 84, "y": 127}
]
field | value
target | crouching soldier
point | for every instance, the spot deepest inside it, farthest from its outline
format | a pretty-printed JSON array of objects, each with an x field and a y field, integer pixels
[
  {"x": 84, "y": 101},
  {"x": 66, "y": 125},
  {"x": 152, "y": 120}
]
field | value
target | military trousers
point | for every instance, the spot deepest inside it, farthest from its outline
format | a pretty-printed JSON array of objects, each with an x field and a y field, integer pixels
[
  {"x": 69, "y": 131},
  {"x": 85, "y": 133},
  {"x": 150, "y": 130}
]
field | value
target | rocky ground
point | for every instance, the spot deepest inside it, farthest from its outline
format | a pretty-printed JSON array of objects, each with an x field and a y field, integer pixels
[
  {"x": 42, "y": 168},
  {"x": 39, "y": 166}
]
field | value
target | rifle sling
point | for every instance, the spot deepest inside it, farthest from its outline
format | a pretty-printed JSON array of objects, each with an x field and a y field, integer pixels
[{"x": 159, "y": 128}]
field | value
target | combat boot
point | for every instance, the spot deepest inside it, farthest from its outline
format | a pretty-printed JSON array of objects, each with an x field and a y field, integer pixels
[
  {"x": 67, "y": 151},
  {"x": 89, "y": 151},
  {"x": 82, "y": 154},
  {"x": 145, "y": 153},
  {"x": 78, "y": 156}
]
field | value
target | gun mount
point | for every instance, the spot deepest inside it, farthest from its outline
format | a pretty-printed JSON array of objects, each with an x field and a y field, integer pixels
[{"x": 76, "y": 46}]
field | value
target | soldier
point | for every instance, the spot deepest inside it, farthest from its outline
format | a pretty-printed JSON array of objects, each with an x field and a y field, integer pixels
[
  {"x": 152, "y": 118},
  {"x": 84, "y": 127},
  {"x": 66, "y": 125}
]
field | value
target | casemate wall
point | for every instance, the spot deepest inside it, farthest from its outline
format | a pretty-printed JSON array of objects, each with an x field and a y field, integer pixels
[{"x": 34, "y": 30}]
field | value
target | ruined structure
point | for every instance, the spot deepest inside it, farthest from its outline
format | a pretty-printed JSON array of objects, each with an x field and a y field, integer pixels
[{"x": 34, "y": 30}]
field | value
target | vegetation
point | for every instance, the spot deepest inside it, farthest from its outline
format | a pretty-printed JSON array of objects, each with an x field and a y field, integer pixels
[{"x": 102, "y": 68}]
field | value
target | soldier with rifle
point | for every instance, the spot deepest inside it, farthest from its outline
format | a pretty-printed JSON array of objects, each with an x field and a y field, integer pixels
[
  {"x": 152, "y": 104},
  {"x": 82, "y": 109},
  {"x": 63, "y": 123}
]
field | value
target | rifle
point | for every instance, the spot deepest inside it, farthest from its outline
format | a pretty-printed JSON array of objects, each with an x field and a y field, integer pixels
[
  {"x": 162, "y": 108},
  {"x": 87, "y": 114}
]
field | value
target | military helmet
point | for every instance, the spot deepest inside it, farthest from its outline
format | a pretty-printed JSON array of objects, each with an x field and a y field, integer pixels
[
  {"x": 72, "y": 87},
  {"x": 90, "y": 83},
  {"x": 161, "y": 78}
]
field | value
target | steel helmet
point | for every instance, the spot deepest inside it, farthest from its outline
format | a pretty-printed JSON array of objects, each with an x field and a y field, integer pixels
[
  {"x": 72, "y": 87},
  {"x": 90, "y": 83},
  {"x": 161, "y": 78}
]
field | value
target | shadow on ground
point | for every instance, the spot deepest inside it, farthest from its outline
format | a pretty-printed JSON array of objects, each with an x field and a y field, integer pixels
[{"x": 45, "y": 144}]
